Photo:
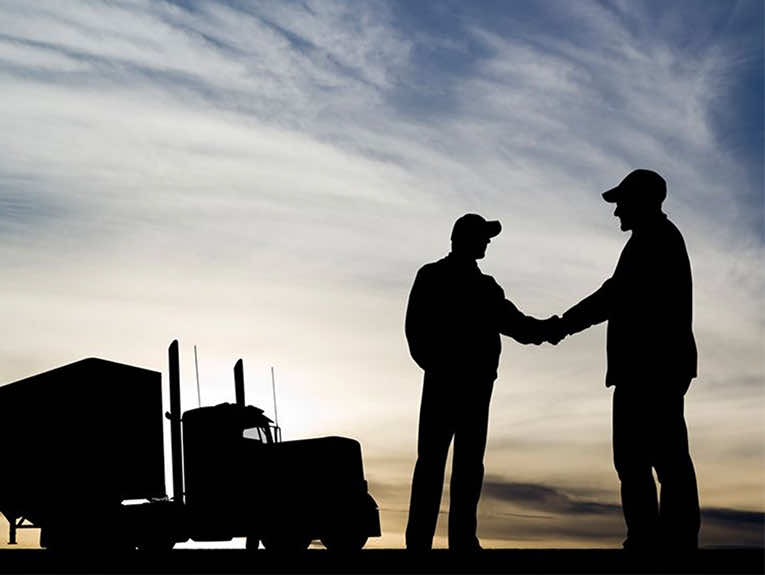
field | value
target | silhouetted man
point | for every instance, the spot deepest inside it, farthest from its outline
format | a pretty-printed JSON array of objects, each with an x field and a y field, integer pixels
[
  {"x": 453, "y": 321},
  {"x": 651, "y": 362}
]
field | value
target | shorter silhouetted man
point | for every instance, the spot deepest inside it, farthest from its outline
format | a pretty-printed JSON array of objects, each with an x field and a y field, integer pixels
[
  {"x": 453, "y": 322},
  {"x": 651, "y": 355}
]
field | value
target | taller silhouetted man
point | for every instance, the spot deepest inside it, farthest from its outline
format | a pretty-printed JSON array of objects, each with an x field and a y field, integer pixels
[
  {"x": 453, "y": 323},
  {"x": 651, "y": 355}
]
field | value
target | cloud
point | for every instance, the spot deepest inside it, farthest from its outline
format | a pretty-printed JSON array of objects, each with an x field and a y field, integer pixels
[
  {"x": 754, "y": 518},
  {"x": 543, "y": 498},
  {"x": 550, "y": 515},
  {"x": 555, "y": 513}
]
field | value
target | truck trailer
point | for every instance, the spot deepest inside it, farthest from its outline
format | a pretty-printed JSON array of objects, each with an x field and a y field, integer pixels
[{"x": 85, "y": 463}]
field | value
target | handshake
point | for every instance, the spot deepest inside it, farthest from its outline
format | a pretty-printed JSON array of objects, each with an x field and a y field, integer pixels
[{"x": 552, "y": 330}]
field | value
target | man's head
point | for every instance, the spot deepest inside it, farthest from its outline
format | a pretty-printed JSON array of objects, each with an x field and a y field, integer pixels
[
  {"x": 471, "y": 234},
  {"x": 638, "y": 198}
]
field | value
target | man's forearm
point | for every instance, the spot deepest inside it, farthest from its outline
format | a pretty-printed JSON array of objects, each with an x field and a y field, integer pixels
[
  {"x": 527, "y": 330},
  {"x": 592, "y": 310},
  {"x": 522, "y": 328}
]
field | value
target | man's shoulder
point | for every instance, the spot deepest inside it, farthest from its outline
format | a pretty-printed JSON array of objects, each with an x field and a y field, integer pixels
[
  {"x": 670, "y": 236},
  {"x": 491, "y": 285},
  {"x": 661, "y": 235},
  {"x": 430, "y": 268},
  {"x": 430, "y": 273},
  {"x": 671, "y": 229}
]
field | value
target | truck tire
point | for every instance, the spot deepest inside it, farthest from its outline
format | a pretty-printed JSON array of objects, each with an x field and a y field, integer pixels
[
  {"x": 344, "y": 542},
  {"x": 286, "y": 542},
  {"x": 47, "y": 540},
  {"x": 59, "y": 540},
  {"x": 66, "y": 541}
]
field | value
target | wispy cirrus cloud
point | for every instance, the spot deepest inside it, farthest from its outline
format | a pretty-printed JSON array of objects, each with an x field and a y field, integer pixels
[{"x": 548, "y": 515}]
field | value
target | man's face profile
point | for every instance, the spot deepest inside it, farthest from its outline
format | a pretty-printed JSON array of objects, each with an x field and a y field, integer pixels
[
  {"x": 481, "y": 244},
  {"x": 473, "y": 246},
  {"x": 625, "y": 211}
]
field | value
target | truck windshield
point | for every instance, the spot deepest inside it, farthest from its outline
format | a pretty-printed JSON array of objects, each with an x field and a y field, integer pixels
[
  {"x": 261, "y": 434},
  {"x": 255, "y": 433}
]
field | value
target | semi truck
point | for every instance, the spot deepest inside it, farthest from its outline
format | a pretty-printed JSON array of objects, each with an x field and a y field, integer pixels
[{"x": 84, "y": 461}]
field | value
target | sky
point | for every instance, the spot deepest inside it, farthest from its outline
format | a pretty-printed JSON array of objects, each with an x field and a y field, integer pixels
[{"x": 264, "y": 179}]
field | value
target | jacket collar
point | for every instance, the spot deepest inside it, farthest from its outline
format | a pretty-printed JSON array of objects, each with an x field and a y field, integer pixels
[
  {"x": 650, "y": 224},
  {"x": 462, "y": 263}
]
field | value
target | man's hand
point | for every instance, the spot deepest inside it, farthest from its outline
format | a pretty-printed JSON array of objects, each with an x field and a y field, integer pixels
[{"x": 554, "y": 330}]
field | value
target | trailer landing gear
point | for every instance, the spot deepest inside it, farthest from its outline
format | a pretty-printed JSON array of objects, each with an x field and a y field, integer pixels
[{"x": 16, "y": 522}]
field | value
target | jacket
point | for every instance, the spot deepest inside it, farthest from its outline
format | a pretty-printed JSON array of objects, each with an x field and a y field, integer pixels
[
  {"x": 455, "y": 316},
  {"x": 648, "y": 304}
]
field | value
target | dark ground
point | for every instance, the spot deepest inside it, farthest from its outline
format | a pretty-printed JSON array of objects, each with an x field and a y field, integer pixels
[{"x": 385, "y": 561}]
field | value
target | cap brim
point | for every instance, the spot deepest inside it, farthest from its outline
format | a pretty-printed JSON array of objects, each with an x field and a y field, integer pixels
[
  {"x": 493, "y": 228},
  {"x": 613, "y": 195}
]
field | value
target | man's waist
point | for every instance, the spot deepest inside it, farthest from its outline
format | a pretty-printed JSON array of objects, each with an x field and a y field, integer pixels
[{"x": 648, "y": 376}]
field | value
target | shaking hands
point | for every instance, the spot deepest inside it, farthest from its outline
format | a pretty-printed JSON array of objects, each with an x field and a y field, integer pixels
[{"x": 553, "y": 330}]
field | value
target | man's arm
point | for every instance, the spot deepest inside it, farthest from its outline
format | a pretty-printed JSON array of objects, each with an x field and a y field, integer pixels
[
  {"x": 523, "y": 328},
  {"x": 417, "y": 323},
  {"x": 593, "y": 309}
]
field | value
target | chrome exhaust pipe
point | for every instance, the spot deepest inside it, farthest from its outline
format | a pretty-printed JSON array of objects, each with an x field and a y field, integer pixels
[
  {"x": 176, "y": 444},
  {"x": 239, "y": 382}
]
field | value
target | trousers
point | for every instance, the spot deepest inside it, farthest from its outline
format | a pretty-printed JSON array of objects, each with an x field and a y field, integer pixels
[
  {"x": 649, "y": 433},
  {"x": 457, "y": 408}
]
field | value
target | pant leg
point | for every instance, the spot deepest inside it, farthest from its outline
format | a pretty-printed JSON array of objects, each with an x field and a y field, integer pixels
[
  {"x": 679, "y": 515},
  {"x": 467, "y": 465},
  {"x": 631, "y": 438},
  {"x": 434, "y": 436}
]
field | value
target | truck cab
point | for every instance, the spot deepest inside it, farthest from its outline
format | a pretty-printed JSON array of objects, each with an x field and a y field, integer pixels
[{"x": 283, "y": 494}]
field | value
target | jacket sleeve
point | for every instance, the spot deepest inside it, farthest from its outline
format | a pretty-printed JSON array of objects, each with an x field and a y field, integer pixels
[
  {"x": 670, "y": 306},
  {"x": 514, "y": 323},
  {"x": 418, "y": 325},
  {"x": 593, "y": 309}
]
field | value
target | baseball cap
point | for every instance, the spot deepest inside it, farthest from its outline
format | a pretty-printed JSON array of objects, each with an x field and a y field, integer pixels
[
  {"x": 645, "y": 185},
  {"x": 473, "y": 225}
]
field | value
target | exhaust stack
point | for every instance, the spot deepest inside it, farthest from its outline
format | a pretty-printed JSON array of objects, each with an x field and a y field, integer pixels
[
  {"x": 175, "y": 422},
  {"x": 239, "y": 382}
]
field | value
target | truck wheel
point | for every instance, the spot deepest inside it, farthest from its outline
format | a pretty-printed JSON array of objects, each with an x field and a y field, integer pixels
[
  {"x": 47, "y": 540},
  {"x": 286, "y": 543},
  {"x": 57, "y": 539},
  {"x": 344, "y": 542}
]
